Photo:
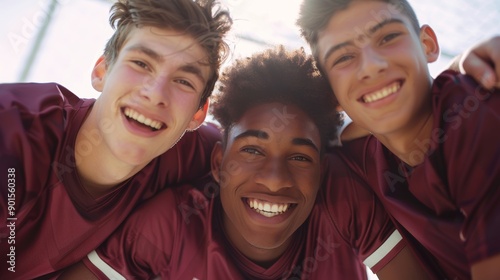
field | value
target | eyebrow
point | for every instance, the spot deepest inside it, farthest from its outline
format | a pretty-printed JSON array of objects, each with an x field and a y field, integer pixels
[
  {"x": 260, "y": 134},
  {"x": 372, "y": 30},
  {"x": 383, "y": 23},
  {"x": 147, "y": 51},
  {"x": 188, "y": 68}
]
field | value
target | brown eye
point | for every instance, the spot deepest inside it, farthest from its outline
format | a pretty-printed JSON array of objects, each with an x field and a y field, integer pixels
[
  {"x": 342, "y": 59},
  {"x": 186, "y": 83},
  {"x": 300, "y": 158},
  {"x": 250, "y": 150},
  {"x": 389, "y": 37},
  {"x": 141, "y": 64}
]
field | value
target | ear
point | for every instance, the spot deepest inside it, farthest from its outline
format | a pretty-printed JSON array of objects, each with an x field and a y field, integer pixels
[
  {"x": 339, "y": 109},
  {"x": 216, "y": 161},
  {"x": 98, "y": 74},
  {"x": 198, "y": 117},
  {"x": 429, "y": 43}
]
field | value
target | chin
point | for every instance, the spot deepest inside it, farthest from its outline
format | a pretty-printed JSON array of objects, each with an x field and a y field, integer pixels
[
  {"x": 267, "y": 244},
  {"x": 134, "y": 157}
]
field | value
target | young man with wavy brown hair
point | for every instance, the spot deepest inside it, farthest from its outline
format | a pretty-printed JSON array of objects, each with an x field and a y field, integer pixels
[{"x": 77, "y": 167}]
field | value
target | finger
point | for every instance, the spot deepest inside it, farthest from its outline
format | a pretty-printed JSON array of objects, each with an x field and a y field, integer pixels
[
  {"x": 495, "y": 58},
  {"x": 476, "y": 66}
]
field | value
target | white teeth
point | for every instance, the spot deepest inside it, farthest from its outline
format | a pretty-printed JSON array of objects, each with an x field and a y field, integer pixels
[
  {"x": 381, "y": 93},
  {"x": 274, "y": 208},
  {"x": 267, "y": 209},
  {"x": 142, "y": 119}
]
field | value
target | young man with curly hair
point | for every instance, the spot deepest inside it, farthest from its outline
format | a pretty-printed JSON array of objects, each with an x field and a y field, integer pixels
[
  {"x": 77, "y": 167},
  {"x": 264, "y": 213},
  {"x": 433, "y": 158}
]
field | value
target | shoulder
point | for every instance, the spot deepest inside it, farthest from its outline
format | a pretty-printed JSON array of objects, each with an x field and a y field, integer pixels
[
  {"x": 172, "y": 207},
  {"x": 356, "y": 155},
  {"x": 35, "y": 97},
  {"x": 206, "y": 135},
  {"x": 188, "y": 159},
  {"x": 345, "y": 196},
  {"x": 344, "y": 189},
  {"x": 24, "y": 104},
  {"x": 358, "y": 215},
  {"x": 34, "y": 118},
  {"x": 464, "y": 112},
  {"x": 456, "y": 94}
]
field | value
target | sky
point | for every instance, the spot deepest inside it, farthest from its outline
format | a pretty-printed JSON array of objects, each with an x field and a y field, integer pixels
[{"x": 78, "y": 30}]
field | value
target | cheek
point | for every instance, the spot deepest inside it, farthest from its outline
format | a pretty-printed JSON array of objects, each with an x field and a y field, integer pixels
[
  {"x": 185, "y": 102},
  {"x": 339, "y": 84},
  {"x": 311, "y": 187}
]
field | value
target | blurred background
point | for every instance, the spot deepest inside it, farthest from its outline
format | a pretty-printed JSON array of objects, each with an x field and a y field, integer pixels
[{"x": 60, "y": 40}]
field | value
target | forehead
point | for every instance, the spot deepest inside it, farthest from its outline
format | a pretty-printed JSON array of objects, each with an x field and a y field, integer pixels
[
  {"x": 366, "y": 12},
  {"x": 169, "y": 44},
  {"x": 357, "y": 21},
  {"x": 278, "y": 121}
]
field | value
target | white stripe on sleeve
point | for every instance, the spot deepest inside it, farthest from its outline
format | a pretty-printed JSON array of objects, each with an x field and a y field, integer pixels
[
  {"x": 383, "y": 250},
  {"x": 104, "y": 267}
]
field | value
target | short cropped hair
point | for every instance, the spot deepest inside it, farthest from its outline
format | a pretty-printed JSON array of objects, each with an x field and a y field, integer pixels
[
  {"x": 276, "y": 75},
  {"x": 204, "y": 20},
  {"x": 314, "y": 16}
]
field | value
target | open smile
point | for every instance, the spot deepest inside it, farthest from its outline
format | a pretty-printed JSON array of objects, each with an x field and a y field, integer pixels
[
  {"x": 141, "y": 120},
  {"x": 269, "y": 209},
  {"x": 382, "y": 93}
]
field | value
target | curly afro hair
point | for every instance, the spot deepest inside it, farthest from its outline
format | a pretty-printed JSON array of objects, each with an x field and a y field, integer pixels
[{"x": 276, "y": 75}]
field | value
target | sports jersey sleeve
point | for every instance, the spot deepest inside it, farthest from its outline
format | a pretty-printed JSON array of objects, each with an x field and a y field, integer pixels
[
  {"x": 163, "y": 238},
  {"x": 31, "y": 126},
  {"x": 470, "y": 118},
  {"x": 186, "y": 162},
  {"x": 359, "y": 216},
  {"x": 142, "y": 247}
]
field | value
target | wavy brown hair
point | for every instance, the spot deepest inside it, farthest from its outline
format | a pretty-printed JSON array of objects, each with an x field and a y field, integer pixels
[{"x": 204, "y": 20}]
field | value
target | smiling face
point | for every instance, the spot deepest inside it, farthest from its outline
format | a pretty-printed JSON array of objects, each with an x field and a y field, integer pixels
[
  {"x": 377, "y": 66},
  {"x": 269, "y": 174},
  {"x": 150, "y": 94}
]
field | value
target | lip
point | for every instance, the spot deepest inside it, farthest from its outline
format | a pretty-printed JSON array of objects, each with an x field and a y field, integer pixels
[
  {"x": 384, "y": 100},
  {"x": 269, "y": 221},
  {"x": 138, "y": 129}
]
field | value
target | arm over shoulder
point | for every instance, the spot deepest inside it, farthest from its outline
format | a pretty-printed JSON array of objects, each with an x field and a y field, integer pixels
[
  {"x": 470, "y": 118},
  {"x": 142, "y": 247},
  {"x": 361, "y": 219},
  {"x": 189, "y": 159},
  {"x": 359, "y": 216}
]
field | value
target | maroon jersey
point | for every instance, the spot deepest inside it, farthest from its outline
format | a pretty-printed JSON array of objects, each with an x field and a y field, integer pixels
[
  {"x": 449, "y": 205},
  {"x": 48, "y": 220},
  {"x": 179, "y": 235}
]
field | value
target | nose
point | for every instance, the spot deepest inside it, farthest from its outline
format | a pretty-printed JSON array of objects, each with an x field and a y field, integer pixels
[
  {"x": 275, "y": 175},
  {"x": 372, "y": 64},
  {"x": 155, "y": 90}
]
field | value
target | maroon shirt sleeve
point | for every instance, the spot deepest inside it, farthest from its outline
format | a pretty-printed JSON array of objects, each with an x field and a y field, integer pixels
[
  {"x": 470, "y": 118},
  {"x": 155, "y": 238},
  {"x": 186, "y": 162},
  {"x": 359, "y": 216},
  {"x": 142, "y": 247},
  {"x": 31, "y": 126}
]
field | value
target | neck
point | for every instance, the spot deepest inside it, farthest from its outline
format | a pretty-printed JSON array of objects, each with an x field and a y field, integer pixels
[
  {"x": 99, "y": 170},
  {"x": 264, "y": 257},
  {"x": 412, "y": 145}
]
